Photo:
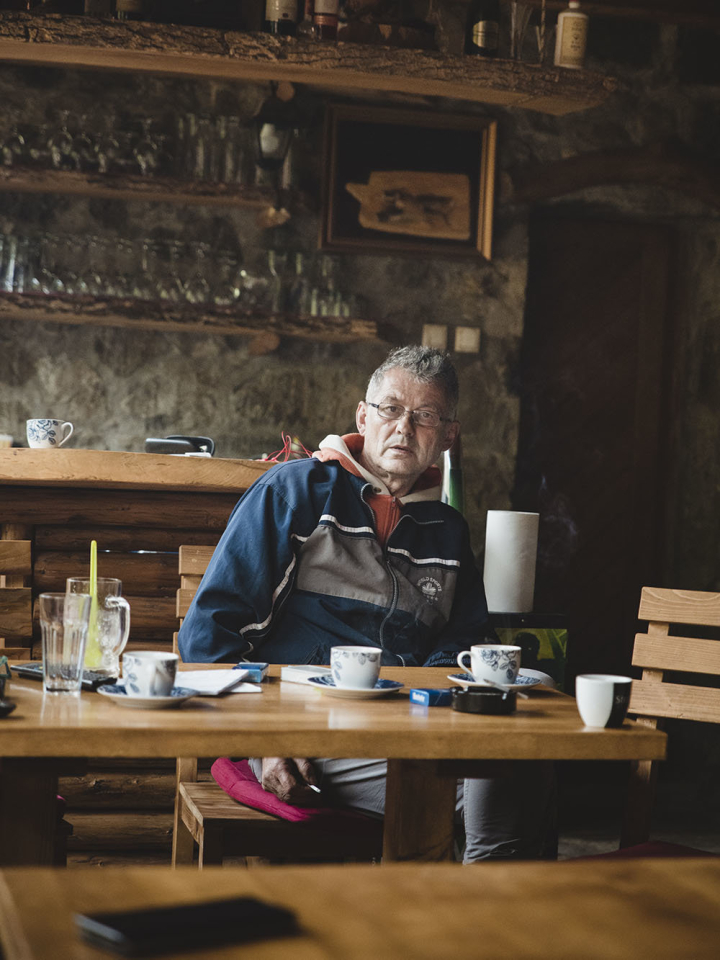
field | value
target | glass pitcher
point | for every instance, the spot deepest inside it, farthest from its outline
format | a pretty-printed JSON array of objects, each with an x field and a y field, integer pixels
[{"x": 109, "y": 632}]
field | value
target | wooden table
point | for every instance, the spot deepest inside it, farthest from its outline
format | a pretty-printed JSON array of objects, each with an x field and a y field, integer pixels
[
  {"x": 659, "y": 909},
  {"x": 423, "y": 747}
]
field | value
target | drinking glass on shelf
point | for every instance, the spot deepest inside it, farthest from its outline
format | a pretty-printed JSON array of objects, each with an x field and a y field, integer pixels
[
  {"x": 60, "y": 144},
  {"x": 277, "y": 263},
  {"x": 12, "y": 148},
  {"x": 107, "y": 146},
  {"x": 202, "y": 147},
  {"x": 173, "y": 288},
  {"x": 84, "y": 147},
  {"x": 226, "y": 288},
  {"x": 298, "y": 291},
  {"x": 197, "y": 289},
  {"x": 147, "y": 149},
  {"x": 7, "y": 265},
  {"x": 50, "y": 281}
]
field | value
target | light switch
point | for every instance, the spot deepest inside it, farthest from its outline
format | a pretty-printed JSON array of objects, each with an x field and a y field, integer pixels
[
  {"x": 467, "y": 339},
  {"x": 434, "y": 335}
]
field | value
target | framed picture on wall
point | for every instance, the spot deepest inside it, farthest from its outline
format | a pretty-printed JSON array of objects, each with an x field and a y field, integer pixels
[{"x": 408, "y": 182}]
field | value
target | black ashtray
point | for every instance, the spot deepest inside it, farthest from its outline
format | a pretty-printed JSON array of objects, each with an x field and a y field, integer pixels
[{"x": 487, "y": 700}]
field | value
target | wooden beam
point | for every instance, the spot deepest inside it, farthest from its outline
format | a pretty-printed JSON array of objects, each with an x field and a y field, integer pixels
[
  {"x": 81, "y": 42},
  {"x": 667, "y": 165}
]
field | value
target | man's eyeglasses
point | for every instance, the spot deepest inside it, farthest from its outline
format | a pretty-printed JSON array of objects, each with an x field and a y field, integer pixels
[{"x": 421, "y": 418}]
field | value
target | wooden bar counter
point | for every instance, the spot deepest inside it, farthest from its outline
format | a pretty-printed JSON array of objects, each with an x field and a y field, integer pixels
[{"x": 140, "y": 508}]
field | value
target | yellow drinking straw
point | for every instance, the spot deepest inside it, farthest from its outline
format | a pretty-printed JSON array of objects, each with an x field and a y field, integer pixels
[{"x": 93, "y": 653}]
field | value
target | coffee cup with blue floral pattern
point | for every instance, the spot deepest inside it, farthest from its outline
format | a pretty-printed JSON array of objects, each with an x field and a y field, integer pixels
[
  {"x": 149, "y": 673},
  {"x": 355, "y": 666},
  {"x": 46, "y": 433},
  {"x": 498, "y": 662}
]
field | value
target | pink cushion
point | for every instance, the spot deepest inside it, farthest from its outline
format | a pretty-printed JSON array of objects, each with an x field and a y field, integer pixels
[
  {"x": 239, "y": 782},
  {"x": 653, "y": 848}
]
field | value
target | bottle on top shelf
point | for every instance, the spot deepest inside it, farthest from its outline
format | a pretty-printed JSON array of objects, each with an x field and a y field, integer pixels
[
  {"x": 129, "y": 9},
  {"x": 482, "y": 30},
  {"x": 571, "y": 37},
  {"x": 281, "y": 17},
  {"x": 306, "y": 26},
  {"x": 452, "y": 485},
  {"x": 325, "y": 18}
]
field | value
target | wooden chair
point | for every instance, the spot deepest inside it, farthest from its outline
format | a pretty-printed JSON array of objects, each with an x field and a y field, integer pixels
[
  {"x": 657, "y": 696},
  {"x": 220, "y": 826},
  {"x": 16, "y": 626}
]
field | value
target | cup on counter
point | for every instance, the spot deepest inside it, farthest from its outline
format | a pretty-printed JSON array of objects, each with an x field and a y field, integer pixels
[
  {"x": 45, "y": 433},
  {"x": 602, "y": 698},
  {"x": 6, "y": 440},
  {"x": 149, "y": 673},
  {"x": 109, "y": 632},
  {"x": 64, "y": 622},
  {"x": 499, "y": 662},
  {"x": 355, "y": 666}
]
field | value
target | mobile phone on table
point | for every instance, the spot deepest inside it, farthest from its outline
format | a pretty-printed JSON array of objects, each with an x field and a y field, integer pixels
[{"x": 146, "y": 932}]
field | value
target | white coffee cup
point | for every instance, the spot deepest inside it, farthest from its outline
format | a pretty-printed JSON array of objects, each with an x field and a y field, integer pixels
[
  {"x": 602, "y": 698},
  {"x": 149, "y": 673},
  {"x": 498, "y": 662},
  {"x": 355, "y": 666},
  {"x": 45, "y": 433}
]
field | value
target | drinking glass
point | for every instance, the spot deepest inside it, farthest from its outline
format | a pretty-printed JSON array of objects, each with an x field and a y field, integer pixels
[
  {"x": 107, "y": 146},
  {"x": 84, "y": 147},
  {"x": 108, "y": 632},
  {"x": 147, "y": 149},
  {"x": 64, "y": 623},
  {"x": 197, "y": 289},
  {"x": 60, "y": 145},
  {"x": 12, "y": 148}
]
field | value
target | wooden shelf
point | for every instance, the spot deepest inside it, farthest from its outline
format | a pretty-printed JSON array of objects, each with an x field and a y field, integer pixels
[
  {"x": 140, "y": 315},
  {"x": 135, "y": 187},
  {"x": 82, "y": 42}
]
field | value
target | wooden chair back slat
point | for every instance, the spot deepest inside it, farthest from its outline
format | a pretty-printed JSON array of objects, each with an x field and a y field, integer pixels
[
  {"x": 657, "y": 696},
  {"x": 682, "y": 654},
  {"x": 15, "y": 558},
  {"x": 194, "y": 560},
  {"x": 696, "y": 607},
  {"x": 676, "y": 700}
]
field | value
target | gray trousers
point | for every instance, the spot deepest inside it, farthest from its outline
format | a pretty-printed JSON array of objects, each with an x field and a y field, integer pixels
[{"x": 509, "y": 816}]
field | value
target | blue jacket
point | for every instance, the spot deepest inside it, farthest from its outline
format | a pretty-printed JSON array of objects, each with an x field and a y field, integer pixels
[{"x": 300, "y": 569}]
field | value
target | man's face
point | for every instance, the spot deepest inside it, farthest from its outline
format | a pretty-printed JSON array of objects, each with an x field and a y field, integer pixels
[{"x": 398, "y": 451}]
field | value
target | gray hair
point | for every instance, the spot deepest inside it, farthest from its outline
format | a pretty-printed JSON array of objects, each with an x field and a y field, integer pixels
[{"x": 426, "y": 364}]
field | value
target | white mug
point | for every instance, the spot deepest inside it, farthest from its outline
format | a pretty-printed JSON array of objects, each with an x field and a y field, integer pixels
[
  {"x": 602, "y": 698},
  {"x": 46, "y": 433},
  {"x": 149, "y": 673},
  {"x": 355, "y": 666},
  {"x": 498, "y": 662}
]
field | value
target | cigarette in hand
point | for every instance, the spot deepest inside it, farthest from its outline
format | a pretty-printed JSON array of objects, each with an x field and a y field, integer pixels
[{"x": 313, "y": 787}]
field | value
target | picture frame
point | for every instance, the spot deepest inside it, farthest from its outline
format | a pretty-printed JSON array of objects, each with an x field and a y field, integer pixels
[{"x": 407, "y": 182}]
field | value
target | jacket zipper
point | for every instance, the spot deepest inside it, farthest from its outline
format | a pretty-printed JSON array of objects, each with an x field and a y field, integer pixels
[{"x": 393, "y": 578}]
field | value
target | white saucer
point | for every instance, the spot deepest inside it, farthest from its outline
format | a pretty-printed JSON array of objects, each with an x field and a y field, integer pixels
[
  {"x": 118, "y": 694},
  {"x": 523, "y": 681},
  {"x": 381, "y": 688}
]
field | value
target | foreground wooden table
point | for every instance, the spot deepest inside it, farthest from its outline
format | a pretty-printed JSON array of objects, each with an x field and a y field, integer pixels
[
  {"x": 294, "y": 720},
  {"x": 659, "y": 909}
]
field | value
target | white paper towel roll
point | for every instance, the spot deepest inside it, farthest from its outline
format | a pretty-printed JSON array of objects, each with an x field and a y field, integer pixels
[{"x": 510, "y": 557}]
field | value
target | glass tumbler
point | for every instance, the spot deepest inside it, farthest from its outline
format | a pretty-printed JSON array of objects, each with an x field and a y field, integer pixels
[
  {"x": 64, "y": 620},
  {"x": 109, "y": 629}
]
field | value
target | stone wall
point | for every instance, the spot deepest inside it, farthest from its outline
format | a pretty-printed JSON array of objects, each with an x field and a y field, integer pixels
[{"x": 120, "y": 387}]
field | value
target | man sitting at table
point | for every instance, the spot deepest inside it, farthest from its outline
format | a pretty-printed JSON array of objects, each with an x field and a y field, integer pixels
[{"x": 353, "y": 546}]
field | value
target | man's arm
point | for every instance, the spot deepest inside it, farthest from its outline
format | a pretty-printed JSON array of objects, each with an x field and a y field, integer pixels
[{"x": 250, "y": 575}]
